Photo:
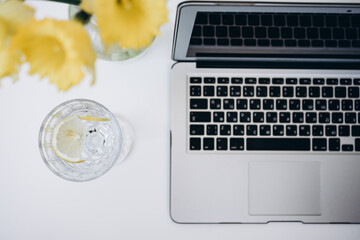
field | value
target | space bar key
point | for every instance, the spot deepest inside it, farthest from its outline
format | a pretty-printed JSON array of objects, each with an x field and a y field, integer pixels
[{"x": 278, "y": 144}]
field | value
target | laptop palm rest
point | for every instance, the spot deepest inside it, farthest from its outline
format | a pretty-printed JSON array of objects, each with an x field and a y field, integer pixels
[{"x": 284, "y": 188}]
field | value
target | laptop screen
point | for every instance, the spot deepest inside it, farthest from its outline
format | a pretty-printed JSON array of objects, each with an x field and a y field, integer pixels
[{"x": 211, "y": 31}]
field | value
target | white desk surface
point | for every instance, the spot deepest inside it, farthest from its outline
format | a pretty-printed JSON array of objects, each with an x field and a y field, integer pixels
[{"x": 131, "y": 201}]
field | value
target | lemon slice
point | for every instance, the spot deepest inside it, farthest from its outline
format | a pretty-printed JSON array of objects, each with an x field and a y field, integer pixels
[
  {"x": 94, "y": 119},
  {"x": 68, "y": 139}
]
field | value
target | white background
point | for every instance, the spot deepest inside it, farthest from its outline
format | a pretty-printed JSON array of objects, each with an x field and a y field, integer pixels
[{"x": 132, "y": 200}]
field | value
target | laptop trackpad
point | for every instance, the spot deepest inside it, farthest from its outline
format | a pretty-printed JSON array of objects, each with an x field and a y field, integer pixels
[{"x": 284, "y": 188}]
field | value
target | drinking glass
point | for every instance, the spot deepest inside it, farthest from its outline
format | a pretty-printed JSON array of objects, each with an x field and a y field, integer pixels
[{"x": 81, "y": 140}]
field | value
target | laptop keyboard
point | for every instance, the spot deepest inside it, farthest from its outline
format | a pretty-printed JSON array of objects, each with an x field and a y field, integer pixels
[
  {"x": 274, "y": 114},
  {"x": 304, "y": 30}
]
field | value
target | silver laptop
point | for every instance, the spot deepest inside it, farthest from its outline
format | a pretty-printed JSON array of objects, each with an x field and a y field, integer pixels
[{"x": 265, "y": 113}]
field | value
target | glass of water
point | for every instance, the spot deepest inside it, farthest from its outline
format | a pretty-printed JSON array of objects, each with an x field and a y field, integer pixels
[{"x": 81, "y": 140}]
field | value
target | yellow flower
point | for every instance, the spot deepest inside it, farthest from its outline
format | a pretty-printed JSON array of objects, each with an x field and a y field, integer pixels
[
  {"x": 129, "y": 23},
  {"x": 56, "y": 49},
  {"x": 13, "y": 13}
]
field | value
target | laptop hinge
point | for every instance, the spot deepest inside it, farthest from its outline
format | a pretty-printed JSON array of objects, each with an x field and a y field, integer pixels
[{"x": 279, "y": 64}]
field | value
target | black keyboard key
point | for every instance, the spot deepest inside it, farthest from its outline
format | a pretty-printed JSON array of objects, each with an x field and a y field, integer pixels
[
  {"x": 273, "y": 32},
  {"x": 245, "y": 117},
  {"x": 286, "y": 33},
  {"x": 317, "y": 130},
  {"x": 268, "y": 104},
  {"x": 299, "y": 33},
  {"x": 222, "y": 91},
  {"x": 238, "y": 130},
  {"x": 319, "y": 144},
  {"x": 250, "y": 80},
  {"x": 357, "y": 81},
  {"x": 215, "y": 103},
  {"x": 198, "y": 104},
  {"x": 305, "y": 21},
  {"x": 258, "y": 117},
  {"x": 294, "y": 104},
  {"x": 318, "y": 81},
  {"x": 271, "y": 117},
  {"x": 260, "y": 32},
  {"x": 311, "y": 117},
  {"x": 195, "y": 143},
  {"x": 212, "y": 130},
  {"x": 357, "y": 105},
  {"x": 195, "y": 80},
  {"x": 223, "y": 80},
  {"x": 255, "y": 104},
  {"x": 247, "y": 32},
  {"x": 314, "y": 92},
  {"x": 344, "y": 131},
  {"x": 264, "y": 80},
  {"x": 214, "y": 18},
  {"x": 347, "y": 105},
  {"x": 331, "y": 21},
  {"x": 353, "y": 92},
  {"x": 218, "y": 117},
  {"x": 330, "y": 130},
  {"x": 355, "y": 43},
  {"x": 208, "y": 31},
  {"x": 277, "y": 81},
  {"x": 305, "y": 81},
  {"x": 292, "y": 20},
  {"x": 284, "y": 117},
  {"x": 253, "y": 20},
  {"x": 298, "y": 117},
  {"x": 312, "y": 33},
  {"x": 196, "y": 31},
  {"x": 196, "y": 129},
  {"x": 240, "y": 19},
  {"x": 304, "y": 130},
  {"x": 324, "y": 117},
  {"x": 281, "y": 104},
  {"x": 195, "y": 41},
  {"x": 274, "y": 91},
  {"x": 237, "y": 144},
  {"x": 308, "y": 104},
  {"x": 325, "y": 33},
  {"x": 355, "y": 131},
  {"x": 344, "y": 43},
  {"x": 347, "y": 148},
  {"x": 208, "y": 144},
  {"x": 350, "y": 117},
  {"x": 261, "y": 91},
  {"x": 234, "y": 32},
  {"x": 228, "y": 19},
  {"x": 278, "y": 144},
  {"x": 228, "y": 103},
  {"x": 200, "y": 117},
  {"x": 223, "y": 42},
  {"x": 355, "y": 20},
  {"x": 318, "y": 21},
  {"x": 235, "y": 91},
  {"x": 351, "y": 33},
  {"x": 279, "y": 20},
  {"x": 357, "y": 144},
  {"x": 337, "y": 117},
  {"x": 250, "y": 42},
  {"x": 317, "y": 43},
  {"x": 195, "y": 90},
  {"x": 344, "y": 21},
  {"x": 209, "y": 91},
  {"x": 201, "y": 18},
  {"x": 291, "y": 81},
  {"x": 334, "y": 104},
  {"x": 236, "y": 80},
  {"x": 265, "y": 130},
  {"x": 231, "y": 116},
  {"x": 330, "y": 43},
  {"x": 241, "y": 104},
  {"x": 288, "y": 92},
  {"x": 277, "y": 43},
  {"x": 278, "y": 130},
  {"x": 345, "y": 81},
  {"x": 209, "y": 41},
  {"x": 327, "y": 92},
  {"x": 225, "y": 129},
  {"x": 338, "y": 33},
  {"x": 221, "y": 144},
  {"x": 248, "y": 91},
  {"x": 332, "y": 81},
  {"x": 251, "y": 130},
  {"x": 334, "y": 144},
  {"x": 263, "y": 42},
  {"x": 266, "y": 20},
  {"x": 320, "y": 104}
]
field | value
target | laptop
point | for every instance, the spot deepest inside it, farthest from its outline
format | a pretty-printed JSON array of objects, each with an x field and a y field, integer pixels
[{"x": 265, "y": 113}]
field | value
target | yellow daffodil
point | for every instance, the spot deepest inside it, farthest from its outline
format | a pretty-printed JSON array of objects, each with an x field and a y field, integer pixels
[
  {"x": 13, "y": 13},
  {"x": 59, "y": 50},
  {"x": 129, "y": 23}
]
